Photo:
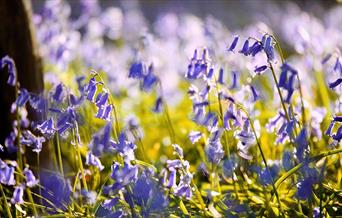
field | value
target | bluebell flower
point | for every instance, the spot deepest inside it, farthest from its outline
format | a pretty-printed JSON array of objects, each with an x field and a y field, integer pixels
[
  {"x": 184, "y": 189},
  {"x": 101, "y": 99},
  {"x": 234, "y": 43},
  {"x": 104, "y": 112},
  {"x": 335, "y": 83},
  {"x": 158, "y": 105},
  {"x": 38, "y": 103},
  {"x": 326, "y": 58},
  {"x": 110, "y": 203},
  {"x": 56, "y": 189},
  {"x": 18, "y": 194},
  {"x": 66, "y": 120},
  {"x": 136, "y": 70},
  {"x": 7, "y": 173},
  {"x": 23, "y": 97},
  {"x": 123, "y": 147},
  {"x": 214, "y": 150},
  {"x": 47, "y": 128},
  {"x": 287, "y": 160},
  {"x": 301, "y": 144},
  {"x": 338, "y": 66},
  {"x": 220, "y": 77},
  {"x": 92, "y": 160},
  {"x": 58, "y": 96},
  {"x": 176, "y": 164},
  {"x": 101, "y": 140},
  {"x": 260, "y": 69},
  {"x": 246, "y": 140},
  {"x": 123, "y": 175},
  {"x": 267, "y": 175},
  {"x": 229, "y": 165},
  {"x": 255, "y": 93},
  {"x": 234, "y": 81},
  {"x": 91, "y": 89},
  {"x": 149, "y": 80},
  {"x": 10, "y": 142},
  {"x": 268, "y": 48},
  {"x": 255, "y": 48},
  {"x": 245, "y": 48},
  {"x": 31, "y": 180},
  {"x": 338, "y": 135},
  {"x": 12, "y": 72},
  {"x": 75, "y": 101},
  {"x": 29, "y": 139},
  {"x": 171, "y": 179},
  {"x": 194, "y": 136},
  {"x": 304, "y": 189}
]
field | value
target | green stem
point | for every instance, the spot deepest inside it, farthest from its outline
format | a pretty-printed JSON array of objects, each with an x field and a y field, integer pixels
[
  {"x": 59, "y": 153},
  {"x": 8, "y": 211}
]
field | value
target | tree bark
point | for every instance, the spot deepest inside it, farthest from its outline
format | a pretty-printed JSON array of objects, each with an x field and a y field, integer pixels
[{"x": 17, "y": 40}]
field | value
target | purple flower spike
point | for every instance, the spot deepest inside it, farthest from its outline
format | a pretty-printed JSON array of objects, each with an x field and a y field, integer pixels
[
  {"x": 234, "y": 43},
  {"x": 18, "y": 195},
  {"x": 12, "y": 72}
]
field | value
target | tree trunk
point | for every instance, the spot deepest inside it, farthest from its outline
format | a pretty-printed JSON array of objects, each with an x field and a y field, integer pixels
[{"x": 17, "y": 40}]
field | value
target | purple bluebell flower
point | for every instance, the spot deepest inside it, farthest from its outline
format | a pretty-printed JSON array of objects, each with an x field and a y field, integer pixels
[
  {"x": 7, "y": 173},
  {"x": 66, "y": 120},
  {"x": 255, "y": 93},
  {"x": 301, "y": 144},
  {"x": 18, "y": 194},
  {"x": 10, "y": 142},
  {"x": 136, "y": 70},
  {"x": 101, "y": 99},
  {"x": 58, "y": 95},
  {"x": 234, "y": 43},
  {"x": 172, "y": 179},
  {"x": 158, "y": 105},
  {"x": 75, "y": 100},
  {"x": 287, "y": 160},
  {"x": 336, "y": 83},
  {"x": 255, "y": 48},
  {"x": 47, "y": 128},
  {"x": 234, "y": 80},
  {"x": 29, "y": 139},
  {"x": 31, "y": 180},
  {"x": 175, "y": 164},
  {"x": 23, "y": 97},
  {"x": 214, "y": 150},
  {"x": 268, "y": 48},
  {"x": 194, "y": 136},
  {"x": 110, "y": 203},
  {"x": 245, "y": 48},
  {"x": 220, "y": 77},
  {"x": 12, "y": 72},
  {"x": 184, "y": 189},
  {"x": 338, "y": 66},
  {"x": 260, "y": 69},
  {"x": 92, "y": 160},
  {"x": 229, "y": 165},
  {"x": 326, "y": 58},
  {"x": 123, "y": 175},
  {"x": 91, "y": 89},
  {"x": 56, "y": 189},
  {"x": 304, "y": 189},
  {"x": 246, "y": 140},
  {"x": 38, "y": 103},
  {"x": 123, "y": 147},
  {"x": 101, "y": 140},
  {"x": 149, "y": 80}
]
